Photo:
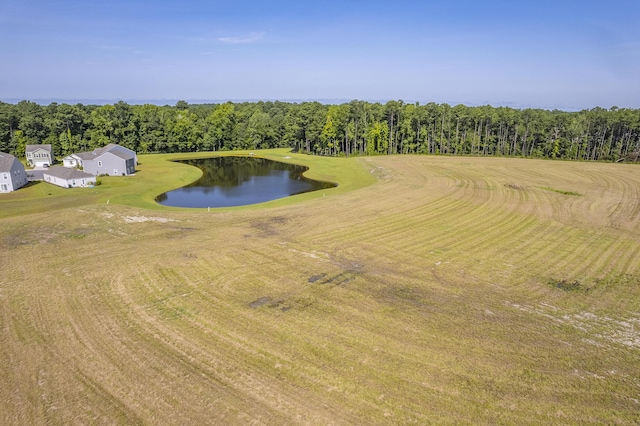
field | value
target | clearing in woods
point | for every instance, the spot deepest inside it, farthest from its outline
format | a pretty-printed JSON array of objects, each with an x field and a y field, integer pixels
[{"x": 450, "y": 290}]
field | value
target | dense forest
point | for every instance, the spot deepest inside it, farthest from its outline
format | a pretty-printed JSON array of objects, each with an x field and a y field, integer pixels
[{"x": 354, "y": 128}]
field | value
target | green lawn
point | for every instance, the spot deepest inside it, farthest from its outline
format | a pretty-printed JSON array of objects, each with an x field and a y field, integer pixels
[{"x": 158, "y": 173}]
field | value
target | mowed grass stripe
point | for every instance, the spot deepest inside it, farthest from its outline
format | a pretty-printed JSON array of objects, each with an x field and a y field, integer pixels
[
  {"x": 216, "y": 364},
  {"x": 230, "y": 342},
  {"x": 390, "y": 230},
  {"x": 611, "y": 251},
  {"x": 120, "y": 344},
  {"x": 627, "y": 207}
]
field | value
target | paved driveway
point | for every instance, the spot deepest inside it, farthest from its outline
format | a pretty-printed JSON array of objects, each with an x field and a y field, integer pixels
[{"x": 35, "y": 174}]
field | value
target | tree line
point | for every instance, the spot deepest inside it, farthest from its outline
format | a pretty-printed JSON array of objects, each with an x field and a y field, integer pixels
[{"x": 353, "y": 128}]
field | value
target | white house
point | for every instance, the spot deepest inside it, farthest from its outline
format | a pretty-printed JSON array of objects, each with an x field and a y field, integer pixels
[
  {"x": 68, "y": 178},
  {"x": 12, "y": 173},
  {"x": 77, "y": 160},
  {"x": 39, "y": 155}
]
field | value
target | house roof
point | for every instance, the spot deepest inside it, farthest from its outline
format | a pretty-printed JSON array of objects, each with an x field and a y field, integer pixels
[
  {"x": 85, "y": 155},
  {"x": 6, "y": 161},
  {"x": 67, "y": 173},
  {"x": 125, "y": 152},
  {"x": 120, "y": 154},
  {"x": 112, "y": 148},
  {"x": 103, "y": 149},
  {"x": 31, "y": 148}
]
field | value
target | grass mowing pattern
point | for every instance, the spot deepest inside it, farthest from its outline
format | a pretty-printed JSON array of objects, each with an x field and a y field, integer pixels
[
  {"x": 424, "y": 298},
  {"x": 560, "y": 191}
]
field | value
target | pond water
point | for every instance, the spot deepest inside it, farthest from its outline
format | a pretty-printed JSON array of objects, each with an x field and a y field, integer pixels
[{"x": 238, "y": 181}]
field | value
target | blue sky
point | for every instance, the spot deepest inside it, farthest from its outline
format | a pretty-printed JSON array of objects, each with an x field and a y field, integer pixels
[{"x": 551, "y": 54}]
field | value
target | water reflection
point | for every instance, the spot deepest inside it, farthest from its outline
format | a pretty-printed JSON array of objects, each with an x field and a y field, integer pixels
[{"x": 238, "y": 181}]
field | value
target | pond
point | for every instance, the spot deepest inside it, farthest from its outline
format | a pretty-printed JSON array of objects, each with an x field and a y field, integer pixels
[{"x": 237, "y": 181}]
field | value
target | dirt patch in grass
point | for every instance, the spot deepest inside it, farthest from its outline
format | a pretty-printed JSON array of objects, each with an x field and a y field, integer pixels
[
  {"x": 315, "y": 278},
  {"x": 80, "y": 232},
  {"x": 12, "y": 241},
  {"x": 568, "y": 285},
  {"x": 142, "y": 219},
  {"x": 514, "y": 186},
  {"x": 270, "y": 226},
  {"x": 261, "y": 301},
  {"x": 561, "y": 191}
]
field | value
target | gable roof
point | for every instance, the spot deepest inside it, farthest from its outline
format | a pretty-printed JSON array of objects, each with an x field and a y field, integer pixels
[
  {"x": 31, "y": 148},
  {"x": 74, "y": 156},
  {"x": 103, "y": 149},
  {"x": 85, "y": 155},
  {"x": 67, "y": 173},
  {"x": 118, "y": 153},
  {"x": 112, "y": 148},
  {"x": 6, "y": 161}
]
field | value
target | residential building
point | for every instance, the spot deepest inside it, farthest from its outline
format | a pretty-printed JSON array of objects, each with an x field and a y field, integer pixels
[
  {"x": 12, "y": 173},
  {"x": 68, "y": 177},
  {"x": 39, "y": 155},
  {"x": 112, "y": 160}
]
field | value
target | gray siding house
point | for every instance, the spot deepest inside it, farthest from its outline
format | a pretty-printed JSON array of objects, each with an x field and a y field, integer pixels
[
  {"x": 112, "y": 163},
  {"x": 115, "y": 147},
  {"x": 39, "y": 155},
  {"x": 12, "y": 173},
  {"x": 112, "y": 160},
  {"x": 68, "y": 178}
]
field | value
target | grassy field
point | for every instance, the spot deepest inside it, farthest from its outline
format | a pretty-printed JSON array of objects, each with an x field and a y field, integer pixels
[{"x": 422, "y": 290}]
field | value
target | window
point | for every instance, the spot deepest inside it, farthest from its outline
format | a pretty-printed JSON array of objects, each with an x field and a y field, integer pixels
[
  {"x": 99, "y": 163},
  {"x": 5, "y": 176}
]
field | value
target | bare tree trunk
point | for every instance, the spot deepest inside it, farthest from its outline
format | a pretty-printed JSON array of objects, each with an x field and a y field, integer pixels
[
  {"x": 586, "y": 135},
  {"x": 448, "y": 145},
  {"x": 457, "y": 139},
  {"x": 473, "y": 141},
  {"x": 480, "y": 135},
  {"x": 390, "y": 135},
  {"x": 464, "y": 139},
  {"x": 441, "y": 133},
  {"x": 346, "y": 141},
  {"x": 486, "y": 138},
  {"x": 524, "y": 141},
  {"x": 626, "y": 145}
]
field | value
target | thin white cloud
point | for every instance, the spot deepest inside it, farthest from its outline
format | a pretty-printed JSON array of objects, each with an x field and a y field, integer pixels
[
  {"x": 111, "y": 47},
  {"x": 122, "y": 49},
  {"x": 251, "y": 38}
]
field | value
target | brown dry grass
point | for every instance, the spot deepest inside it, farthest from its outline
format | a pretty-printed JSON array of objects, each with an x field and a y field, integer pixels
[{"x": 431, "y": 296}]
